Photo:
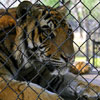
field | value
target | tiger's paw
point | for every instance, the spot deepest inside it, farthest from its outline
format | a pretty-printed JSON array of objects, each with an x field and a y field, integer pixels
[
  {"x": 81, "y": 89},
  {"x": 81, "y": 67},
  {"x": 88, "y": 91}
]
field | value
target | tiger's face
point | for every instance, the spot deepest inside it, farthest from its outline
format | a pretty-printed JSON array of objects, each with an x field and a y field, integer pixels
[
  {"x": 46, "y": 34},
  {"x": 56, "y": 38}
]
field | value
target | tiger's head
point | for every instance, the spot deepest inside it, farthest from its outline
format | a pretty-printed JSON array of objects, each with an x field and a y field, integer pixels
[{"x": 45, "y": 34}]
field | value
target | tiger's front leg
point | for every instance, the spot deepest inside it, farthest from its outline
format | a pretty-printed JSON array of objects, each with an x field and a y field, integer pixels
[
  {"x": 88, "y": 91},
  {"x": 77, "y": 89},
  {"x": 16, "y": 90}
]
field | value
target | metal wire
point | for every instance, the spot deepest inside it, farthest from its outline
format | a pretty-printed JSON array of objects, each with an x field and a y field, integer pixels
[{"x": 39, "y": 76}]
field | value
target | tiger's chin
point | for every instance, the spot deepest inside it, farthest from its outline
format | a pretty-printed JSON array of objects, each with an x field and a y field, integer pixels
[
  {"x": 58, "y": 68},
  {"x": 61, "y": 70}
]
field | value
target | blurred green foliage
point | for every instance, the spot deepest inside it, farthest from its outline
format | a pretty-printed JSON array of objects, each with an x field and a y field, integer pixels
[
  {"x": 91, "y": 7},
  {"x": 51, "y": 3},
  {"x": 90, "y": 3}
]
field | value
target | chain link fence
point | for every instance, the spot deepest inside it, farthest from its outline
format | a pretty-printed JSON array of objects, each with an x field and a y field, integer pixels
[{"x": 24, "y": 57}]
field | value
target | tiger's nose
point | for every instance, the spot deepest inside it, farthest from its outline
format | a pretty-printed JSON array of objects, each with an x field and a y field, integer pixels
[
  {"x": 64, "y": 58},
  {"x": 68, "y": 58}
]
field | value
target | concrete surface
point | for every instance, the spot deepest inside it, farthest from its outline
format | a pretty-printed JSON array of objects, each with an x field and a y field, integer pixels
[{"x": 93, "y": 77}]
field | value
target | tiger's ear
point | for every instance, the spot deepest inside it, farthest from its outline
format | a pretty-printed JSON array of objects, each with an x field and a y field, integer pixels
[
  {"x": 23, "y": 9},
  {"x": 63, "y": 9}
]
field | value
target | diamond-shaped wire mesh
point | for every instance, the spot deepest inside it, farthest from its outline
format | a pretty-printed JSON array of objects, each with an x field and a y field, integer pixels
[{"x": 37, "y": 57}]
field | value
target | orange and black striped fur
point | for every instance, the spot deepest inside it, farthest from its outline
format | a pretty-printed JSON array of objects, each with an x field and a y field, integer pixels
[
  {"x": 81, "y": 67},
  {"x": 19, "y": 41},
  {"x": 9, "y": 66},
  {"x": 38, "y": 39}
]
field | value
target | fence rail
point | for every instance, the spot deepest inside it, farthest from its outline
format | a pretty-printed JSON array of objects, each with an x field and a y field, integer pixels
[{"x": 96, "y": 52}]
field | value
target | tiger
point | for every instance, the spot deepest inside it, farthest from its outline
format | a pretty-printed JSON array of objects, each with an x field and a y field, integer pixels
[
  {"x": 16, "y": 90},
  {"x": 39, "y": 44},
  {"x": 81, "y": 67},
  {"x": 13, "y": 91}
]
